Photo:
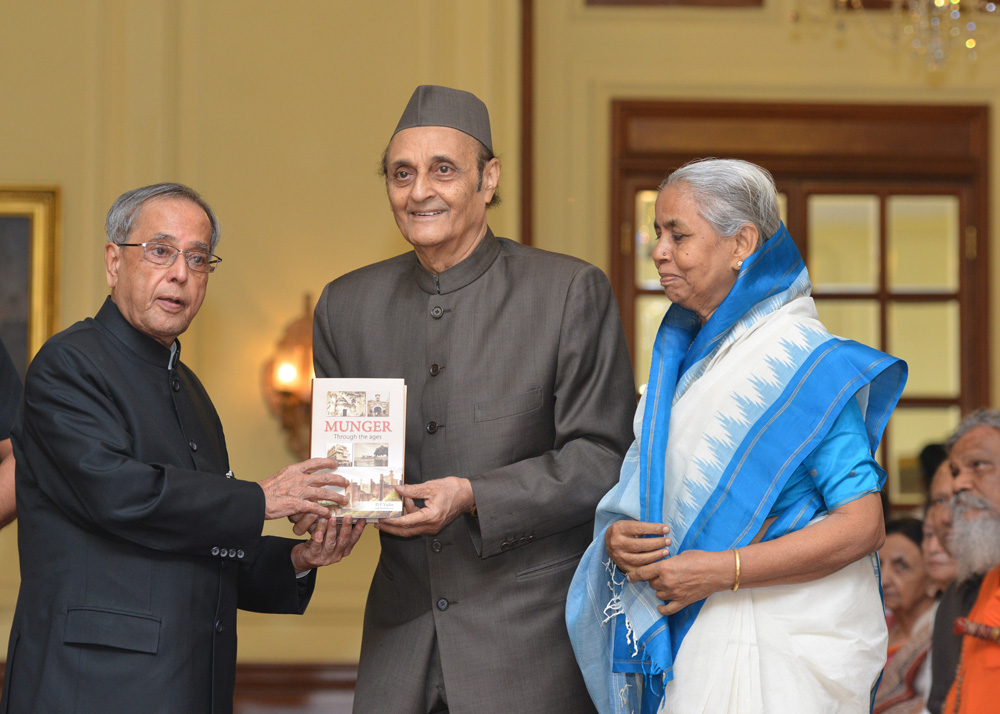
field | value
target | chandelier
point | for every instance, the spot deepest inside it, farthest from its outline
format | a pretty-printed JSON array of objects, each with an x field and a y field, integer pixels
[{"x": 935, "y": 31}]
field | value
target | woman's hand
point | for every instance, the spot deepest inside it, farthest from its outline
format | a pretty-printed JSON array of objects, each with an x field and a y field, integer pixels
[
  {"x": 687, "y": 577},
  {"x": 848, "y": 533},
  {"x": 632, "y": 544}
]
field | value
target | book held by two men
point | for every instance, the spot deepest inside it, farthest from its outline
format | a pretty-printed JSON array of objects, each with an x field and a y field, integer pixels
[{"x": 362, "y": 424}]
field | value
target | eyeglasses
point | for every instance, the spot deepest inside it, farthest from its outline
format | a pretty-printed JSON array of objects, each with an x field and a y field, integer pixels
[{"x": 164, "y": 255}]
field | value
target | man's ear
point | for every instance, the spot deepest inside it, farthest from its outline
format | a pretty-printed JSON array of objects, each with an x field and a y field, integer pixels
[
  {"x": 491, "y": 178},
  {"x": 112, "y": 262}
]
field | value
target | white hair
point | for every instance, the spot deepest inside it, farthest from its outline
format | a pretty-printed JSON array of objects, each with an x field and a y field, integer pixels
[
  {"x": 980, "y": 417},
  {"x": 731, "y": 193},
  {"x": 975, "y": 535},
  {"x": 127, "y": 207}
]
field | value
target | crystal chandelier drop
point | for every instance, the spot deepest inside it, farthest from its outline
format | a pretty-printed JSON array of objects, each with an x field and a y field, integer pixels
[{"x": 936, "y": 31}]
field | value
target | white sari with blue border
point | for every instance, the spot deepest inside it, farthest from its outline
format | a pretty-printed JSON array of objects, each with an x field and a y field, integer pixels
[{"x": 730, "y": 411}]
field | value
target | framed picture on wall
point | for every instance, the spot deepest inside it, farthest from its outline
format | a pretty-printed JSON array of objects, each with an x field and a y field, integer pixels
[{"x": 29, "y": 240}]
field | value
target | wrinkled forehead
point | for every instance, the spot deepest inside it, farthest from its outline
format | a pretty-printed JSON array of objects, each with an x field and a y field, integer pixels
[
  {"x": 978, "y": 442},
  {"x": 175, "y": 220}
]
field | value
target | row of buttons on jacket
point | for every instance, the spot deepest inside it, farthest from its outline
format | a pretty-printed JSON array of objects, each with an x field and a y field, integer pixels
[
  {"x": 512, "y": 542},
  {"x": 230, "y": 553}
]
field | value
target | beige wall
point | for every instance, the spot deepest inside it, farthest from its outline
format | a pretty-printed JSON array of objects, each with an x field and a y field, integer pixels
[{"x": 279, "y": 111}]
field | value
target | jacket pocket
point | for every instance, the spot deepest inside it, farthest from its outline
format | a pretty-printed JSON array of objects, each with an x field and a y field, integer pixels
[
  {"x": 552, "y": 566},
  {"x": 509, "y": 406},
  {"x": 112, "y": 628}
]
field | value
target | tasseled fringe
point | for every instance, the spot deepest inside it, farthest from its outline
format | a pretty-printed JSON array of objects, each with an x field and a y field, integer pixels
[
  {"x": 623, "y": 697},
  {"x": 615, "y": 606}
]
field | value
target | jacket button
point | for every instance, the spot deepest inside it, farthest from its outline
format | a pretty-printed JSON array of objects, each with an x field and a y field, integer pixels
[
  {"x": 232, "y": 552},
  {"x": 175, "y": 384},
  {"x": 432, "y": 426},
  {"x": 506, "y": 545},
  {"x": 193, "y": 445},
  {"x": 215, "y": 550},
  {"x": 219, "y": 627},
  {"x": 442, "y": 604},
  {"x": 240, "y": 554},
  {"x": 435, "y": 369},
  {"x": 436, "y": 545},
  {"x": 436, "y": 312}
]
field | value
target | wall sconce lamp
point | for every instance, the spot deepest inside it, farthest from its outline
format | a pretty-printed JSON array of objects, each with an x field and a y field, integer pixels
[{"x": 287, "y": 381}]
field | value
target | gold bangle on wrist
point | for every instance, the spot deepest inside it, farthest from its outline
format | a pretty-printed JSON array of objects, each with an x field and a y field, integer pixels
[{"x": 736, "y": 585}]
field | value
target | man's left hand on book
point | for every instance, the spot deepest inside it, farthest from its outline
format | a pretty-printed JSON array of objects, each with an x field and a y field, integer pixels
[
  {"x": 444, "y": 500},
  {"x": 330, "y": 542}
]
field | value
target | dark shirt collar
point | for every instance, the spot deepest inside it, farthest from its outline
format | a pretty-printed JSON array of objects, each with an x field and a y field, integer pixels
[
  {"x": 466, "y": 272},
  {"x": 110, "y": 317}
]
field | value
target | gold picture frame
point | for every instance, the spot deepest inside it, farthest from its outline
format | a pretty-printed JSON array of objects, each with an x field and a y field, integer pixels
[{"x": 29, "y": 242}]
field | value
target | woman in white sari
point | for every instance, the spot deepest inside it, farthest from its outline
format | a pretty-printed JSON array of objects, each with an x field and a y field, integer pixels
[{"x": 732, "y": 568}]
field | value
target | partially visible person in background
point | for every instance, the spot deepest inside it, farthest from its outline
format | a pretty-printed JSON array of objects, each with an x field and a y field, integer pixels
[
  {"x": 956, "y": 600},
  {"x": 974, "y": 455},
  {"x": 10, "y": 397},
  {"x": 907, "y": 592},
  {"x": 931, "y": 457},
  {"x": 940, "y": 566}
]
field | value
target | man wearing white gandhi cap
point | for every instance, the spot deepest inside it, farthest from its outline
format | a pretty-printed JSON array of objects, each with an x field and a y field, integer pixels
[{"x": 519, "y": 406}]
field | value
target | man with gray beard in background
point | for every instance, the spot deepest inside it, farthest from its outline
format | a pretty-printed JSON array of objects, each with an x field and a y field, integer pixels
[{"x": 974, "y": 541}]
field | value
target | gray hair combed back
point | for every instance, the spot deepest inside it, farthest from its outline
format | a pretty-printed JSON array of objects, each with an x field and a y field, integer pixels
[
  {"x": 980, "y": 417},
  {"x": 126, "y": 207},
  {"x": 730, "y": 194}
]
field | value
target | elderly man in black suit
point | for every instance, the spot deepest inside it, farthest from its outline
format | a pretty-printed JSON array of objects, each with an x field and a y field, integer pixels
[{"x": 137, "y": 545}]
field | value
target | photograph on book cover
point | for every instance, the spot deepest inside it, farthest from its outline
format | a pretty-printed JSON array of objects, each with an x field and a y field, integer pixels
[{"x": 29, "y": 224}]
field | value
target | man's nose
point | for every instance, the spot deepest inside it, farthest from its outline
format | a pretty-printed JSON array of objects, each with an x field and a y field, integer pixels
[
  {"x": 962, "y": 481},
  {"x": 179, "y": 270},
  {"x": 423, "y": 186}
]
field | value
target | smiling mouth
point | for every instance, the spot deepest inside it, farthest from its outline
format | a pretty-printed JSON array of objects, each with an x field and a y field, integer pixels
[{"x": 426, "y": 214}]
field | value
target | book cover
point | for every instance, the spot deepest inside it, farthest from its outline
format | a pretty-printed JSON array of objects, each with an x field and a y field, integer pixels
[{"x": 362, "y": 424}]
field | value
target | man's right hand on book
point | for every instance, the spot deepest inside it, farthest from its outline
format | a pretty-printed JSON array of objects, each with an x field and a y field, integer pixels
[{"x": 299, "y": 487}]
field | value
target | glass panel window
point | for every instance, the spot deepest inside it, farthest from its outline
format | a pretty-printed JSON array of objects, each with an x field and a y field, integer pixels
[
  {"x": 926, "y": 336},
  {"x": 909, "y": 431},
  {"x": 922, "y": 242},
  {"x": 646, "y": 277},
  {"x": 854, "y": 319},
  {"x": 649, "y": 312},
  {"x": 843, "y": 242}
]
